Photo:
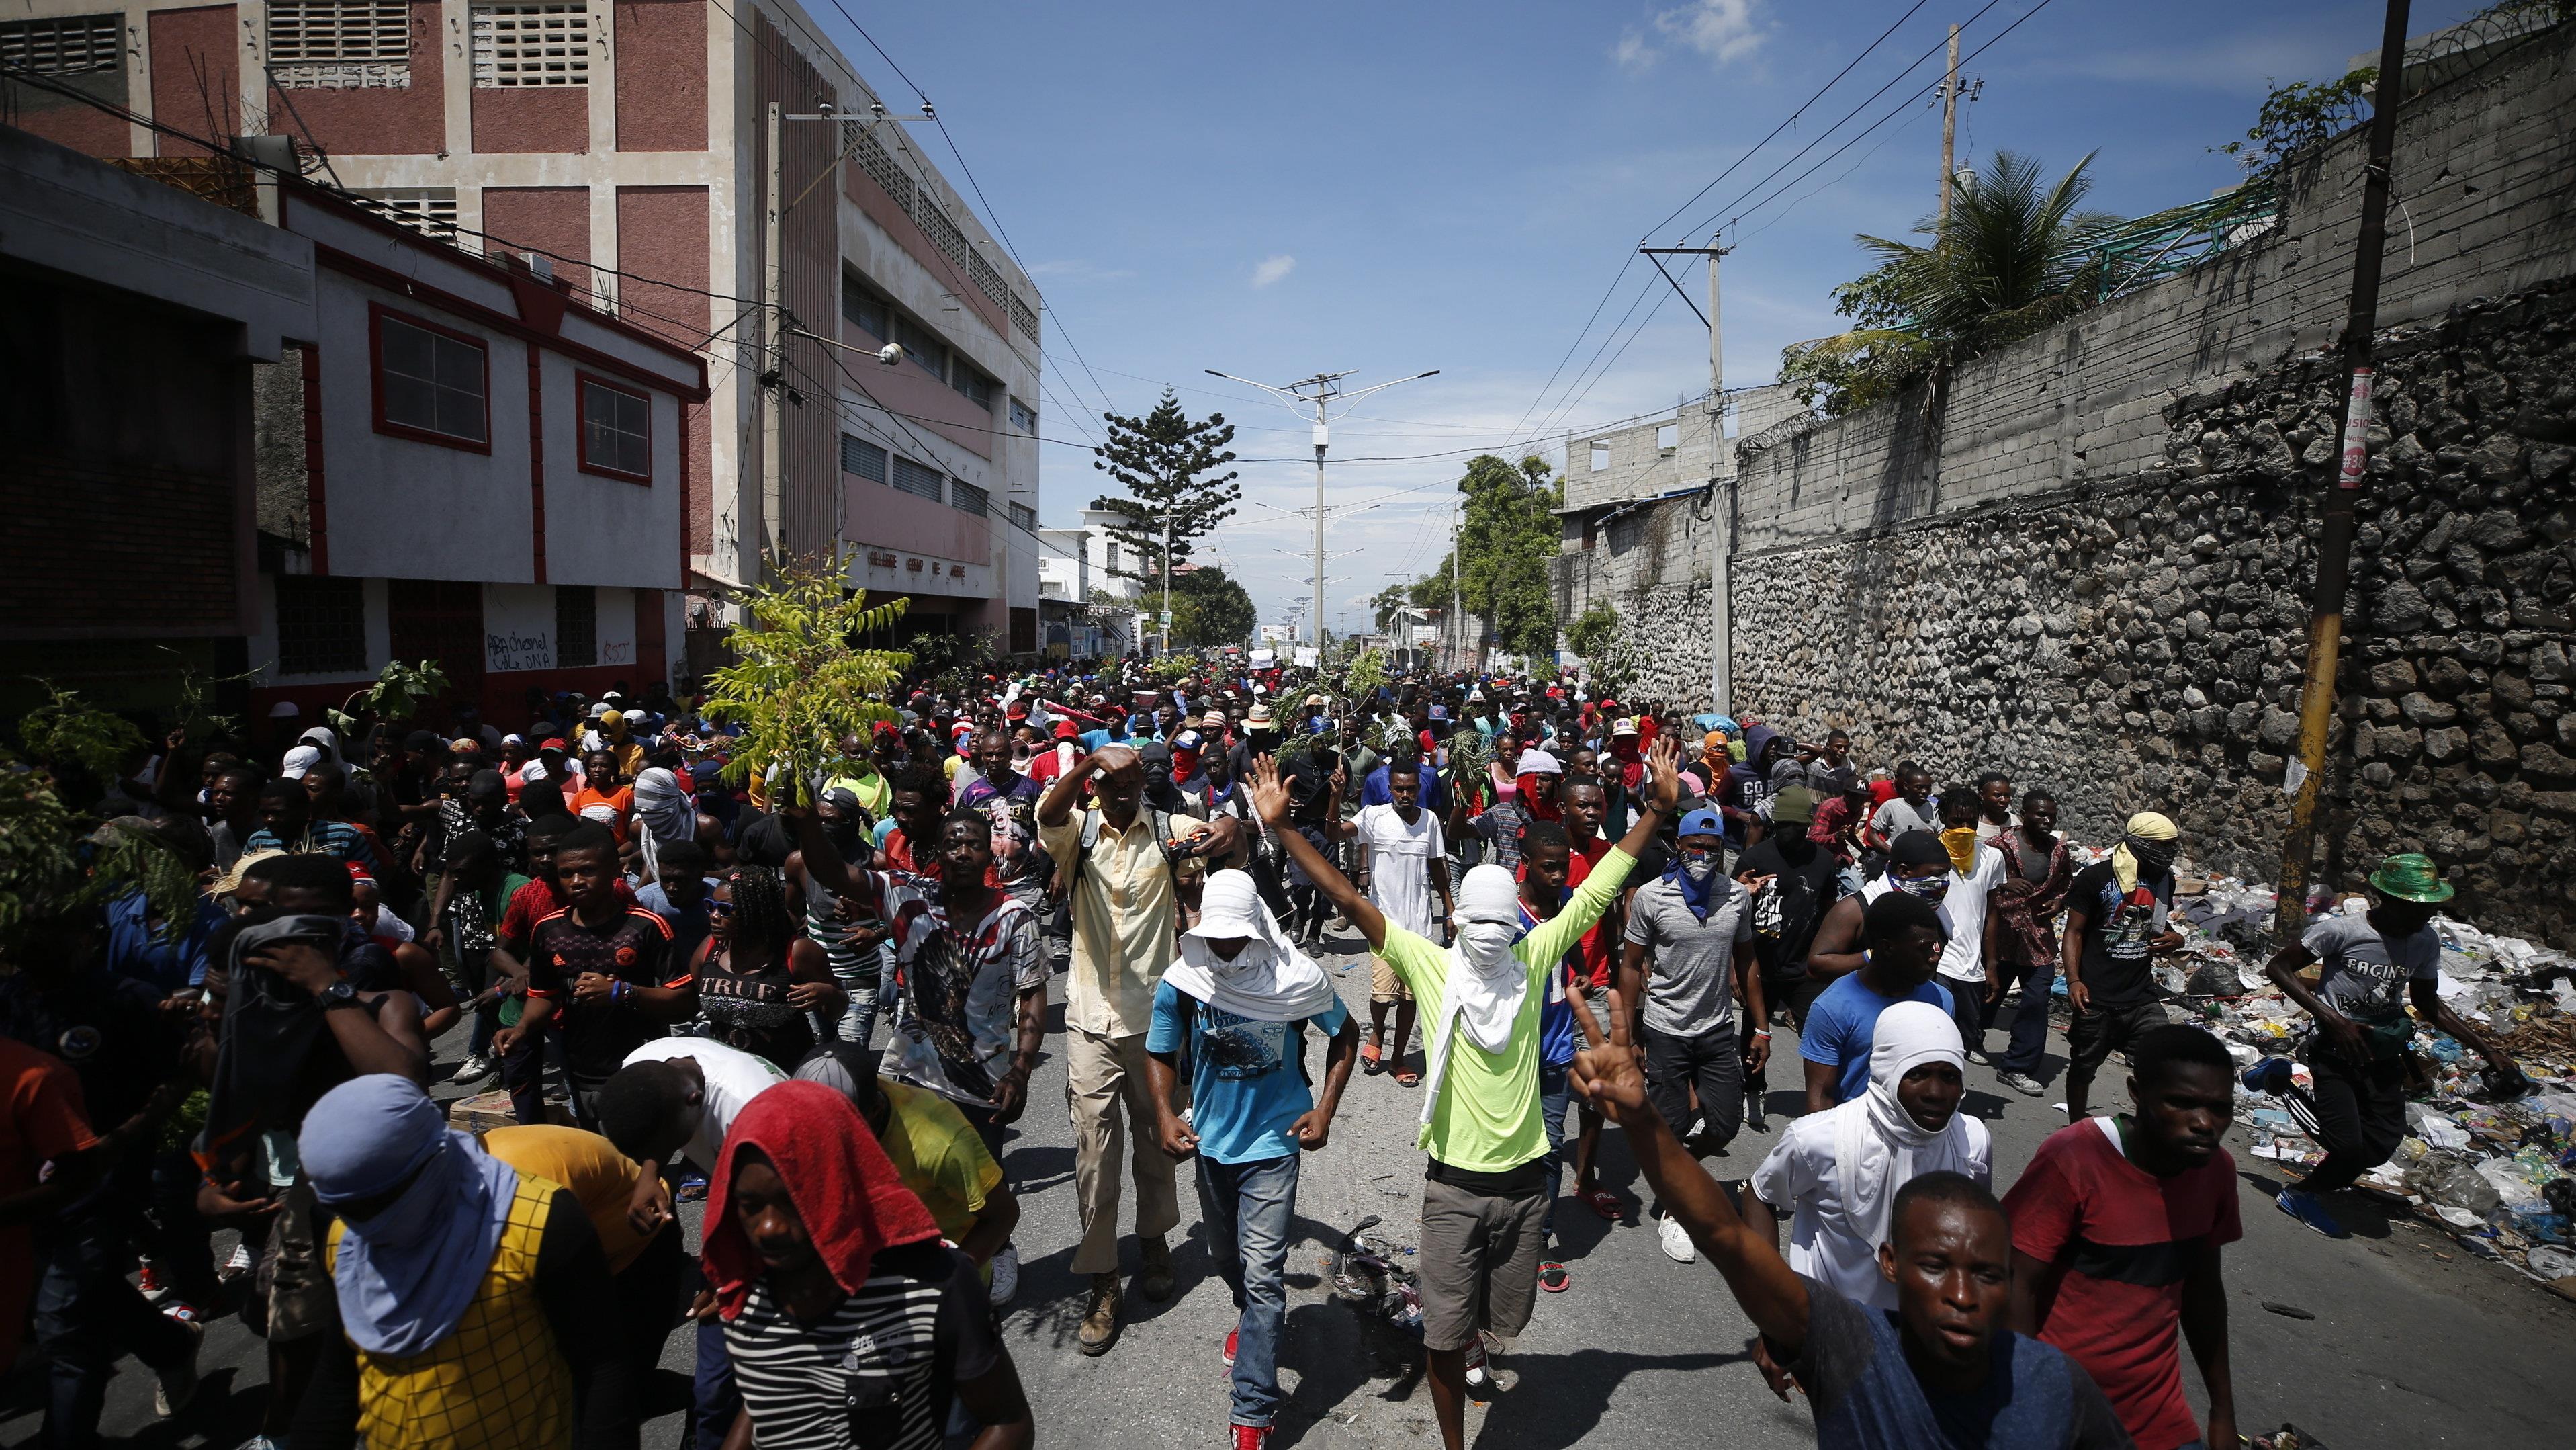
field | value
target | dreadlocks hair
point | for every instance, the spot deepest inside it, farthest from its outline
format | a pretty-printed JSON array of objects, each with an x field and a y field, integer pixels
[{"x": 760, "y": 906}]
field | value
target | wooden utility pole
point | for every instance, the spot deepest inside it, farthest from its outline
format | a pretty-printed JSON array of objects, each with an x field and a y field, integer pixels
[{"x": 1949, "y": 122}]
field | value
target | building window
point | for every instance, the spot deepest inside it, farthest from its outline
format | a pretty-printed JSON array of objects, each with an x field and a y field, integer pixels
[
  {"x": 1025, "y": 517},
  {"x": 428, "y": 210},
  {"x": 966, "y": 498},
  {"x": 576, "y": 626},
  {"x": 616, "y": 430},
  {"x": 339, "y": 44},
  {"x": 924, "y": 347},
  {"x": 865, "y": 310},
  {"x": 1600, "y": 457},
  {"x": 863, "y": 458},
  {"x": 531, "y": 45},
  {"x": 977, "y": 388},
  {"x": 432, "y": 384},
  {"x": 912, "y": 478},
  {"x": 321, "y": 625},
  {"x": 1113, "y": 556},
  {"x": 67, "y": 45},
  {"x": 1668, "y": 437},
  {"x": 1024, "y": 417}
]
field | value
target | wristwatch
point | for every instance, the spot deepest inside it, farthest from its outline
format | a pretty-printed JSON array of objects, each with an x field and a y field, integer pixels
[{"x": 338, "y": 994}]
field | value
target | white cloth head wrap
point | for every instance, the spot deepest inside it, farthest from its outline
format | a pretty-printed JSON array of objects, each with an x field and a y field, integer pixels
[
  {"x": 1878, "y": 1147},
  {"x": 1269, "y": 980},
  {"x": 1487, "y": 979}
]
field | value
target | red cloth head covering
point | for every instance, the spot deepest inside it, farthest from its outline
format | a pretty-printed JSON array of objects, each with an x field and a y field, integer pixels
[
  {"x": 1542, "y": 810},
  {"x": 843, "y": 1185}
]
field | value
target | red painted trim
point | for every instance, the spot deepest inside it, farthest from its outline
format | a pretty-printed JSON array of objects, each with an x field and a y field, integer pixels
[
  {"x": 302, "y": 194},
  {"x": 581, "y": 429},
  {"x": 377, "y": 312},
  {"x": 316, "y": 515},
  {"x": 499, "y": 321},
  {"x": 537, "y": 458}
]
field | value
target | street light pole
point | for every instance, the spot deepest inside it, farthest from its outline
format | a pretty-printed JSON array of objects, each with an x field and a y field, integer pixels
[{"x": 1319, "y": 390}]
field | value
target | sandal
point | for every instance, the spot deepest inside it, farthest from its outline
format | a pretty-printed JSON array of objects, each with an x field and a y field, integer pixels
[
  {"x": 1405, "y": 1077},
  {"x": 1606, "y": 1204},
  {"x": 1552, "y": 1277},
  {"x": 1372, "y": 1059}
]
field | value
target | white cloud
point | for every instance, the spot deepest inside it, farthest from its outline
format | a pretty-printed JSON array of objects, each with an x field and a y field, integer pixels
[
  {"x": 1272, "y": 269},
  {"x": 1725, "y": 31}
]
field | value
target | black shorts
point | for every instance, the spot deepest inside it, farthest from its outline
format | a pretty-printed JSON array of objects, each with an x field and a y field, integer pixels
[{"x": 2093, "y": 1036}]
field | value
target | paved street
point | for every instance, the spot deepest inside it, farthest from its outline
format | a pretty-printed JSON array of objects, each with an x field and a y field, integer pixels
[{"x": 2411, "y": 1342}]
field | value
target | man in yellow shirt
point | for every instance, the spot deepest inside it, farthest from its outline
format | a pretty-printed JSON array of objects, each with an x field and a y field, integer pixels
[
  {"x": 1124, "y": 890},
  {"x": 936, "y": 1152},
  {"x": 1484, "y": 1194}
]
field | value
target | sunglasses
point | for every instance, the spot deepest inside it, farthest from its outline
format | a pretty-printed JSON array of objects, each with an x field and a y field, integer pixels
[{"x": 721, "y": 908}]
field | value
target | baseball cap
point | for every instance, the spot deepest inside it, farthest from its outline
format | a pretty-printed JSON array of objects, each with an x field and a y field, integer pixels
[{"x": 1701, "y": 823}]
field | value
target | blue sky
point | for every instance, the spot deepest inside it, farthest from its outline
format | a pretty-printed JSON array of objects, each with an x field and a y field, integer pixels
[{"x": 1275, "y": 191}]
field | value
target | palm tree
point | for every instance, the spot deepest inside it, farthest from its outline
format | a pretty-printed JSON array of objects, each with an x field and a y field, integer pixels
[{"x": 2011, "y": 258}]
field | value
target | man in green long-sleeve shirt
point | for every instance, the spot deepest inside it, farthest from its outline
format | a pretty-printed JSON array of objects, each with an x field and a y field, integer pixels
[{"x": 1483, "y": 1195}]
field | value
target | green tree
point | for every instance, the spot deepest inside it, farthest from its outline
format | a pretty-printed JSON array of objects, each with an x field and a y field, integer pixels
[
  {"x": 1387, "y": 601},
  {"x": 1508, "y": 538},
  {"x": 798, "y": 684},
  {"x": 1209, "y": 609},
  {"x": 1162, "y": 460},
  {"x": 2015, "y": 255}
]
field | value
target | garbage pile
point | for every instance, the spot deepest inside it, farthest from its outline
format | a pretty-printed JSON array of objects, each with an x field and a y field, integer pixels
[{"x": 2487, "y": 1161}]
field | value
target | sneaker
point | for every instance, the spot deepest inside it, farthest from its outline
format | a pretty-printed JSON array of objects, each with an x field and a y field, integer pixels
[
  {"x": 182, "y": 1310},
  {"x": 1100, "y": 1318},
  {"x": 1006, "y": 1274},
  {"x": 2306, "y": 1208},
  {"x": 1477, "y": 1375},
  {"x": 1251, "y": 1437},
  {"x": 236, "y": 1266},
  {"x": 262, "y": 1442},
  {"x": 473, "y": 1069},
  {"x": 149, "y": 1283},
  {"x": 176, "y": 1386},
  {"x": 2270, "y": 1075},
  {"x": 1553, "y": 1278},
  {"x": 693, "y": 1186},
  {"x": 1676, "y": 1241},
  {"x": 1231, "y": 1336},
  {"x": 2021, "y": 1082}
]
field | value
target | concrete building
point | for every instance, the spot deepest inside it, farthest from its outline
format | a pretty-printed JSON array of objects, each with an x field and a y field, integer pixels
[
  {"x": 136, "y": 314},
  {"x": 1081, "y": 569},
  {"x": 628, "y": 143}
]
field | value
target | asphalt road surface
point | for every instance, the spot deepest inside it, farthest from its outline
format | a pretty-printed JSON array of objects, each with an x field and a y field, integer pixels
[{"x": 2411, "y": 1342}]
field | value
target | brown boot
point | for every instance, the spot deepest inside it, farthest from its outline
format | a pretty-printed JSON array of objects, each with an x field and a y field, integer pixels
[
  {"x": 1154, "y": 1280},
  {"x": 1100, "y": 1320}
]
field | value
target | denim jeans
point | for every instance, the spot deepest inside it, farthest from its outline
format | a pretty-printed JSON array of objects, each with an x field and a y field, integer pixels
[
  {"x": 1247, "y": 1208},
  {"x": 2030, "y": 1017},
  {"x": 87, "y": 1316},
  {"x": 1555, "y": 1102},
  {"x": 475, "y": 967},
  {"x": 871, "y": 995},
  {"x": 1968, "y": 1012},
  {"x": 714, "y": 1398}
]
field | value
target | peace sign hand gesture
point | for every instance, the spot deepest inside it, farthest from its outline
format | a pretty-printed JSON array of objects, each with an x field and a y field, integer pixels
[{"x": 1607, "y": 1072}]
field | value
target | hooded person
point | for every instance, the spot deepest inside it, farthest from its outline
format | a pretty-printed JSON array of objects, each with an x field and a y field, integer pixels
[
  {"x": 1836, "y": 1173},
  {"x": 1539, "y": 777},
  {"x": 664, "y": 813},
  {"x": 474, "y": 1297},
  {"x": 1748, "y": 782},
  {"x": 818, "y": 1255},
  {"x": 1231, "y": 1013}
]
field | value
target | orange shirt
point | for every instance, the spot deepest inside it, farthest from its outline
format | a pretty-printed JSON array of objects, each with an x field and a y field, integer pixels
[
  {"x": 622, "y": 801},
  {"x": 41, "y": 1119}
]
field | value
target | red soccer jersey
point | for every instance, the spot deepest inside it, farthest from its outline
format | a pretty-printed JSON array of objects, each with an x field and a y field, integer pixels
[{"x": 2118, "y": 1236}]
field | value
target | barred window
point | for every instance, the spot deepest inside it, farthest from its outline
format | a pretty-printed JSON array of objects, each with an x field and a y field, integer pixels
[
  {"x": 321, "y": 625},
  {"x": 576, "y": 626},
  {"x": 1023, "y": 417},
  {"x": 531, "y": 45},
  {"x": 863, "y": 458},
  {"x": 977, "y": 388},
  {"x": 1024, "y": 317},
  {"x": 865, "y": 309},
  {"x": 923, "y": 346},
  {"x": 428, "y": 210},
  {"x": 1024, "y": 517},
  {"x": 912, "y": 478},
  {"x": 64, "y": 45},
  {"x": 337, "y": 32},
  {"x": 966, "y": 498}
]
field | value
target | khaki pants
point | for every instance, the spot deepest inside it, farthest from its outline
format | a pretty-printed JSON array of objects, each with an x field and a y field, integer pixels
[{"x": 1112, "y": 1102}]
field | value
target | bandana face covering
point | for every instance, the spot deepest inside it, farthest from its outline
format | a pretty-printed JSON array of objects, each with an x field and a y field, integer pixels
[
  {"x": 1699, "y": 866},
  {"x": 1961, "y": 843},
  {"x": 1930, "y": 888}
]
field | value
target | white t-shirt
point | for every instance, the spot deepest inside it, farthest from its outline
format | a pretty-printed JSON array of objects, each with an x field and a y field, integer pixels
[
  {"x": 734, "y": 1077},
  {"x": 1799, "y": 1177},
  {"x": 1963, "y": 915},
  {"x": 1401, "y": 859}
]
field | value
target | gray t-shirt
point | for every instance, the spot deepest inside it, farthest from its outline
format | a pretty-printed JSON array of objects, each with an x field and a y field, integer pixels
[
  {"x": 2364, "y": 973},
  {"x": 1690, "y": 974},
  {"x": 1898, "y": 816}
]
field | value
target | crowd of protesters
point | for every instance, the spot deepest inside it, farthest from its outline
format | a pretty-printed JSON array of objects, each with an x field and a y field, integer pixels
[{"x": 820, "y": 1002}]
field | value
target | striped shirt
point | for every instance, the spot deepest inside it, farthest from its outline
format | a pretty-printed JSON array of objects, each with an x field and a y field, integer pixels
[
  {"x": 336, "y": 839},
  {"x": 888, "y": 1356}
]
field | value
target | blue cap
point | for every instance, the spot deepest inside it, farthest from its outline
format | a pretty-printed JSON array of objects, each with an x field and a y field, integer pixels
[{"x": 1702, "y": 823}]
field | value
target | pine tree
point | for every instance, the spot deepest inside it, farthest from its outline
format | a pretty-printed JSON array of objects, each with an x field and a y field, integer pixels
[{"x": 1159, "y": 460}]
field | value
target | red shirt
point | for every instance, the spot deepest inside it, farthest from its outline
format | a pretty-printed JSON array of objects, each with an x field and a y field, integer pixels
[
  {"x": 1599, "y": 945},
  {"x": 2118, "y": 1236},
  {"x": 536, "y": 901},
  {"x": 41, "y": 1120}
]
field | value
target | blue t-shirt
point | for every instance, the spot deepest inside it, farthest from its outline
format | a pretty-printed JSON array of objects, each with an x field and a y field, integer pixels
[
  {"x": 1863, "y": 1392},
  {"x": 135, "y": 948},
  {"x": 1557, "y": 1037},
  {"x": 1246, "y": 1093},
  {"x": 1094, "y": 741},
  {"x": 688, "y": 928},
  {"x": 1842, "y": 1021},
  {"x": 1434, "y": 796}
]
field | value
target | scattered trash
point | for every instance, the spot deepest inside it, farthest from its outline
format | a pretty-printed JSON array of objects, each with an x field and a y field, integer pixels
[
  {"x": 2288, "y": 1437},
  {"x": 2292, "y": 1311}
]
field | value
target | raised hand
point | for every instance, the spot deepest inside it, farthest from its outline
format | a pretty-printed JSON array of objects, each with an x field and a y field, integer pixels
[
  {"x": 1269, "y": 792},
  {"x": 1664, "y": 759},
  {"x": 1607, "y": 1071}
]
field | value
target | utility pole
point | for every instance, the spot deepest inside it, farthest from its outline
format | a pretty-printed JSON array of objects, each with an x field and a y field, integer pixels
[
  {"x": 773, "y": 388},
  {"x": 1167, "y": 576},
  {"x": 1949, "y": 121},
  {"x": 1721, "y": 485},
  {"x": 2334, "y": 547},
  {"x": 1318, "y": 390},
  {"x": 1457, "y": 610}
]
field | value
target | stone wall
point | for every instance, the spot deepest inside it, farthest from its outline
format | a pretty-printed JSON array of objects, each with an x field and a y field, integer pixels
[{"x": 2138, "y": 645}]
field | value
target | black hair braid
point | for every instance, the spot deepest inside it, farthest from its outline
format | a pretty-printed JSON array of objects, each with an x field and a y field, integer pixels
[{"x": 760, "y": 907}]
